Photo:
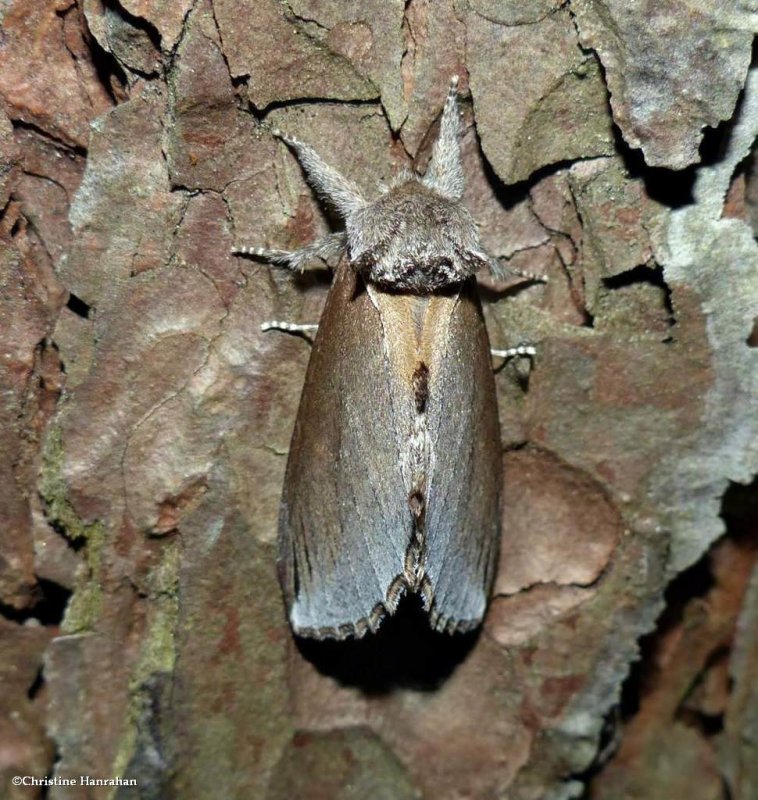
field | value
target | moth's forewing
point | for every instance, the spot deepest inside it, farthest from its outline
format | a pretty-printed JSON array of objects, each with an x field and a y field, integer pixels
[
  {"x": 458, "y": 440},
  {"x": 465, "y": 472},
  {"x": 344, "y": 523}
]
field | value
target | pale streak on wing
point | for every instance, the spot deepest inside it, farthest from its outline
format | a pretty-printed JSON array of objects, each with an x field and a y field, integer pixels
[
  {"x": 463, "y": 516},
  {"x": 403, "y": 356},
  {"x": 344, "y": 524}
]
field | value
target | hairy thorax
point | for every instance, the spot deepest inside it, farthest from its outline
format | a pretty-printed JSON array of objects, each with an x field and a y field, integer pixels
[{"x": 413, "y": 239}]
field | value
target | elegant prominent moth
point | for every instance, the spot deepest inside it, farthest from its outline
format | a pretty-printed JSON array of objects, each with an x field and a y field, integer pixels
[{"x": 394, "y": 471}]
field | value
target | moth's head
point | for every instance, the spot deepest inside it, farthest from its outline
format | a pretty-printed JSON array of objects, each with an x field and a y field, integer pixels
[
  {"x": 417, "y": 236},
  {"x": 413, "y": 238}
]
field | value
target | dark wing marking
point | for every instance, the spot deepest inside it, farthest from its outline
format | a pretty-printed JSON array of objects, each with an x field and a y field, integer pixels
[
  {"x": 463, "y": 515},
  {"x": 344, "y": 525}
]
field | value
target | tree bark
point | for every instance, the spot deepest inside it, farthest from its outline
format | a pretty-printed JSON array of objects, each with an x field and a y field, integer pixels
[{"x": 146, "y": 418}]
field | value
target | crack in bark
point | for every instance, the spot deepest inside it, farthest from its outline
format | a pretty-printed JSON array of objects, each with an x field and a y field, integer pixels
[
  {"x": 301, "y": 18},
  {"x": 77, "y": 66},
  {"x": 48, "y": 179},
  {"x": 140, "y": 23},
  {"x": 56, "y": 141},
  {"x": 590, "y": 584},
  {"x": 526, "y": 23},
  {"x": 221, "y": 47},
  {"x": 293, "y": 102},
  {"x": 172, "y": 54}
]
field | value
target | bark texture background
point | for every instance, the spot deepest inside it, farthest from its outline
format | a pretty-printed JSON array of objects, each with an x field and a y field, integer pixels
[{"x": 146, "y": 419}]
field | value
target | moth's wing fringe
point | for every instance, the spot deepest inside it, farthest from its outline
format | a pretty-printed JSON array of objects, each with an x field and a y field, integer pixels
[
  {"x": 361, "y": 627},
  {"x": 438, "y": 622},
  {"x": 371, "y": 623}
]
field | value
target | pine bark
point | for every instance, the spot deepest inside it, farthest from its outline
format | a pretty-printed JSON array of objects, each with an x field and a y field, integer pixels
[{"x": 146, "y": 418}]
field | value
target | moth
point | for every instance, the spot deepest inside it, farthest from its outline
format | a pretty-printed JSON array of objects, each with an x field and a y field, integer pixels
[{"x": 393, "y": 480}]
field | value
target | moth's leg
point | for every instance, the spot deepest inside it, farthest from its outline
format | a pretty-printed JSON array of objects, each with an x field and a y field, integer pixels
[
  {"x": 520, "y": 352},
  {"x": 329, "y": 248},
  {"x": 288, "y": 327},
  {"x": 527, "y": 276},
  {"x": 502, "y": 271},
  {"x": 525, "y": 350},
  {"x": 326, "y": 249}
]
